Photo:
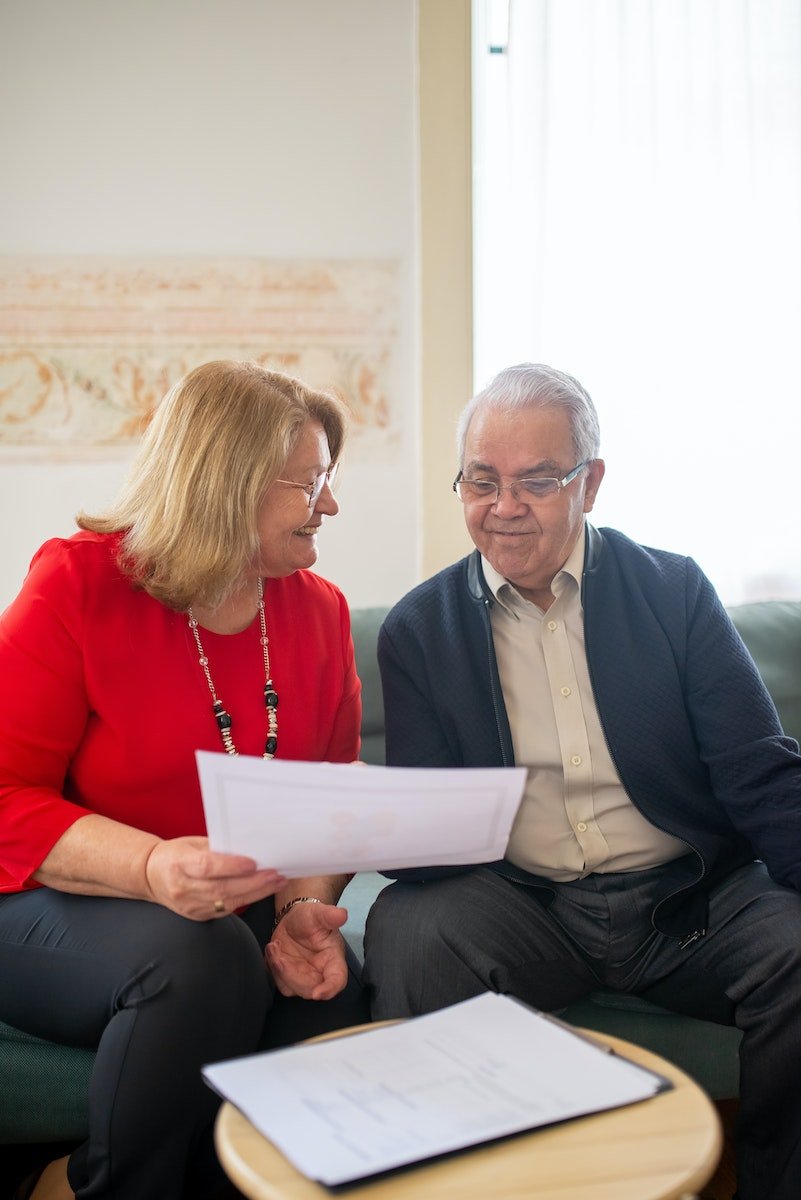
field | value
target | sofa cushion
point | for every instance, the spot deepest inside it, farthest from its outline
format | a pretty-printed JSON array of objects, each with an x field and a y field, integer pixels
[
  {"x": 44, "y": 1089},
  {"x": 707, "y": 1052},
  {"x": 365, "y": 624}
]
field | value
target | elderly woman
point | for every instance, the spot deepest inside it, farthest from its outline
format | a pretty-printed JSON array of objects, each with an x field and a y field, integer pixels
[{"x": 183, "y": 618}]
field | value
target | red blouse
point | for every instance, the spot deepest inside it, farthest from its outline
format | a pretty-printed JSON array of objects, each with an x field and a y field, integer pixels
[{"x": 103, "y": 702}]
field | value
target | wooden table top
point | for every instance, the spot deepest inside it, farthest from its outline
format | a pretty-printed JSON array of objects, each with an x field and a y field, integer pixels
[{"x": 665, "y": 1148}]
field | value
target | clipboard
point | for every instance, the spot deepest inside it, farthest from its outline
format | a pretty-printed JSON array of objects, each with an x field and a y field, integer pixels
[{"x": 349, "y": 1108}]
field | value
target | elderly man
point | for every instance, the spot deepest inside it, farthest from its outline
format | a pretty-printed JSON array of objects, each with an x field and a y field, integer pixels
[{"x": 656, "y": 849}]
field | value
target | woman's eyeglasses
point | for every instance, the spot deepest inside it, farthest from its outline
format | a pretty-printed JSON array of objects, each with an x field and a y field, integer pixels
[{"x": 313, "y": 490}]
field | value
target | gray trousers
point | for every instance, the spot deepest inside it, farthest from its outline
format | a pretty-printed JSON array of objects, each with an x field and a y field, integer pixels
[{"x": 433, "y": 944}]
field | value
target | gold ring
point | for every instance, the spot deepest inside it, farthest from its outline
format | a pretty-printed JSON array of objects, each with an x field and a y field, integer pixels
[{"x": 219, "y": 906}]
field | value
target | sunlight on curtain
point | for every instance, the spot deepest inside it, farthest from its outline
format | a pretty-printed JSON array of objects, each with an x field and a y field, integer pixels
[{"x": 637, "y": 218}]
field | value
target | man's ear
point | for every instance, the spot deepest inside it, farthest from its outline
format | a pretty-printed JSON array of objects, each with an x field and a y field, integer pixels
[{"x": 595, "y": 473}]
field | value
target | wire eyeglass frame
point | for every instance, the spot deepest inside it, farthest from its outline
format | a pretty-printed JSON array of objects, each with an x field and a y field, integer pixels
[
  {"x": 536, "y": 488},
  {"x": 313, "y": 490}
]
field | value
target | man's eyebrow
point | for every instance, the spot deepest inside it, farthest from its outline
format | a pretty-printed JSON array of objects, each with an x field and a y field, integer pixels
[{"x": 541, "y": 468}]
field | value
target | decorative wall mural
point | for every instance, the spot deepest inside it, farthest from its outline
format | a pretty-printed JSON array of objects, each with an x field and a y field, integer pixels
[{"x": 89, "y": 346}]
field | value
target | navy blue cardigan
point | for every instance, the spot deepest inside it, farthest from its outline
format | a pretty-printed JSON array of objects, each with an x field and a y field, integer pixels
[{"x": 691, "y": 727}]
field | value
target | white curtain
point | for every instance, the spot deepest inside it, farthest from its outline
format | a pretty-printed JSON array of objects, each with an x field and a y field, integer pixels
[{"x": 637, "y": 216}]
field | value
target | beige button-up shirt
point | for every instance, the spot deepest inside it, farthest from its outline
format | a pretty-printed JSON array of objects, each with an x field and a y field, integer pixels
[{"x": 575, "y": 817}]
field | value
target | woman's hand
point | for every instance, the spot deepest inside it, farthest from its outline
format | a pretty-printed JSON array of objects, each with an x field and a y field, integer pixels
[
  {"x": 186, "y": 876},
  {"x": 306, "y": 953},
  {"x": 96, "y": 856}
]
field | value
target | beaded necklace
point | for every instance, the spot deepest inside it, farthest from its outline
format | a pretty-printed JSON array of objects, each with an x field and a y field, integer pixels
[{"x": 221, "y": 715}]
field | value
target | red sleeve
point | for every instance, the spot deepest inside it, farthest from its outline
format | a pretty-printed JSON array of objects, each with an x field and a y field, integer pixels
[
  {"x": 81, "y": 720},
  {"x": 43, "y": 711}
]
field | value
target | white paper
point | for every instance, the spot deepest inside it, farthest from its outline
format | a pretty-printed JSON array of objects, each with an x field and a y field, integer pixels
[
  {"x": 329, "y": 818},
  {"x": 357, "y": 1105}
]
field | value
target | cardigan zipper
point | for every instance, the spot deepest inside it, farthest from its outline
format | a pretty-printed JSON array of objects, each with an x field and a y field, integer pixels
[
  {"x": 492, "y": 675},
  {"x": 694, "y": 936}
]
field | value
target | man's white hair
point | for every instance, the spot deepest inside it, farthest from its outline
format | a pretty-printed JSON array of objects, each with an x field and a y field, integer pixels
[{"x": 535, "y": 385}]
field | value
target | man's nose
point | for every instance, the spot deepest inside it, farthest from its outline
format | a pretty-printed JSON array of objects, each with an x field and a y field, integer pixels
[{"x": 507, "y": 505}]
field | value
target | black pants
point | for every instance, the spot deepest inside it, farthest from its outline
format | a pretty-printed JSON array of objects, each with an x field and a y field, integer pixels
[
  {"x": 428, "y": 945},
  {"x": 158, "y": 996}
]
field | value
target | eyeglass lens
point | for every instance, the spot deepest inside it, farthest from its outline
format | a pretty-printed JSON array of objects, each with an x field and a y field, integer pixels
[
  {"x": 325, "y": 477},
  {"x": 486, "y": 491}
]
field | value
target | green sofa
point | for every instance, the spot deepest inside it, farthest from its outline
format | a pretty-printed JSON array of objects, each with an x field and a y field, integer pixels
[{"x": 43, "y": 1086}]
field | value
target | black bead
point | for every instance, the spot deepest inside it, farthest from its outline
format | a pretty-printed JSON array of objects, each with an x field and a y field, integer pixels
[
  {"x": 271, "y": 745},
  {"x": 222, "y": 717},
  {"x": 270, "y": 697}
]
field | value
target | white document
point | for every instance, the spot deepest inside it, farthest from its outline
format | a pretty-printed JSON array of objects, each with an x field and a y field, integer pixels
[
  {"x": 329, "y": 818},
  {"x": 357, "y": 1105}
]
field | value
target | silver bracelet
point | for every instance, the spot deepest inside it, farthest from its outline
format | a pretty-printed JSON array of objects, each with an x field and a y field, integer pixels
[{"x": 290, "y": 904}]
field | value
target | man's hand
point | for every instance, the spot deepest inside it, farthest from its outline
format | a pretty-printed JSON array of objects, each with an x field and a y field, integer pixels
[{"x": 306, "y": 954}]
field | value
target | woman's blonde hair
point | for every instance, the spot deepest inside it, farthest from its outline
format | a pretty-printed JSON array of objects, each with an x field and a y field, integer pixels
[{"x": 218, "y": 440}]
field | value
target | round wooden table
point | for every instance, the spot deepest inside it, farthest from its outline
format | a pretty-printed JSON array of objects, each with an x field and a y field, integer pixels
[{"x": 664, "y": 1148}]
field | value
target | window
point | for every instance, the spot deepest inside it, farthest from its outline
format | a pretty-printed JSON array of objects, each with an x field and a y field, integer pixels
[{"x": 637, "y": 222}]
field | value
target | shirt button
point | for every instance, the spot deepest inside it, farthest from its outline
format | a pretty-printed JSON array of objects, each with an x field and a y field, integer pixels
[
  {"x": 576, "y": 760},
  {"x": 565, "y": 691},
  {"x": 552, "y": 625},
  {"x": 582, "y": 827}
]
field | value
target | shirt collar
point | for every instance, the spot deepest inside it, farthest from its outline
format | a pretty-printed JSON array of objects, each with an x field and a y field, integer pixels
[{"x": 507, "y": 595}]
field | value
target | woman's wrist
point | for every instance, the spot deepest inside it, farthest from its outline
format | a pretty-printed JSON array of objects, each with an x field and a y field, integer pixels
[
  {"x": 290, "y": 904},
  {"x": 149, "y": 891}
]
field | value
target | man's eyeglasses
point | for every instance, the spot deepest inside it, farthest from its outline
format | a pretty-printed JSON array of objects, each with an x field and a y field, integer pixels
[
  {"x": 487, "y": 491},
  {"x": 313, "y": 490}
]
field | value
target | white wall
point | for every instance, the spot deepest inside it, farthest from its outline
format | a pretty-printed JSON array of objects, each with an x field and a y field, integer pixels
[{"x": 275, "y": 128}]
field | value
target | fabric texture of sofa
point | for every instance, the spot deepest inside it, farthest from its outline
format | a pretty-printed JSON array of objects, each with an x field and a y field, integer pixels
[{"x": 44, "y": 1086}]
